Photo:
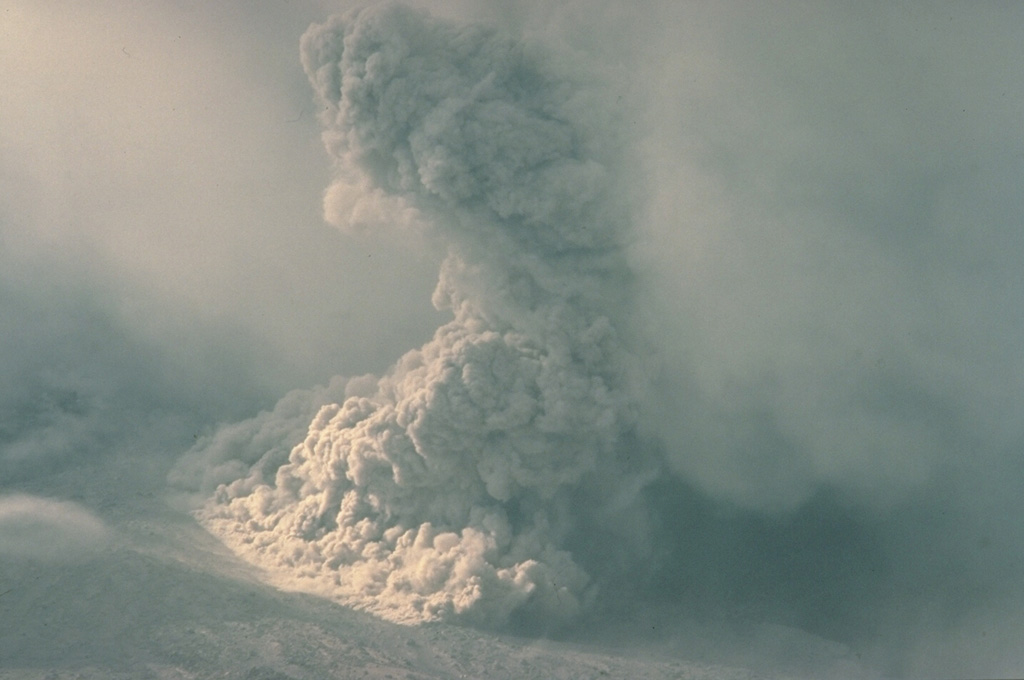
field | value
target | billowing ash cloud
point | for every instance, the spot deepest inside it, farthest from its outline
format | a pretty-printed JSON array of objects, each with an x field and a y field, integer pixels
[{"x": 445, "y": 489}]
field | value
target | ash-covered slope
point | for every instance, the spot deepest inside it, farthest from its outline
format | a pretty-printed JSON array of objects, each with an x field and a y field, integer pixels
[{"x": 163, "y": 599}]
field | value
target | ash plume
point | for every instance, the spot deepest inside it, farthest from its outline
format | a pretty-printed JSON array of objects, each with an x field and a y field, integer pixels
[{"x": 445, "y": 490}]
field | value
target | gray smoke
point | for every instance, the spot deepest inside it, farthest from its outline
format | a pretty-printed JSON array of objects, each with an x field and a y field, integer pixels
[
  {"x": 443, "y": 490},
  {"x": 803, "y": 236}
]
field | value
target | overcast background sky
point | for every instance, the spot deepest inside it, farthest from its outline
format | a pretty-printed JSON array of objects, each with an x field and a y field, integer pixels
[{"x": 828, "y": 238}]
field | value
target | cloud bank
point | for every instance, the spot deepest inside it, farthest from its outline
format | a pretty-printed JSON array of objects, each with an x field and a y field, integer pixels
[
  {"x": 830, "y": 227},
  {"x": 444, "y": 489}
]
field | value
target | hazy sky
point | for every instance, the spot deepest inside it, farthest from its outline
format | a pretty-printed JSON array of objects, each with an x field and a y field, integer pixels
[{"x": 824, "y": 224}]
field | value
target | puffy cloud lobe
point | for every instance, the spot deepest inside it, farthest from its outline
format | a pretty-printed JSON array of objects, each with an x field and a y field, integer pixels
[
  {"x": 462, "y": 116},
  {"x": 230, "y": 453},
  {"x": 438, "y": 492}
]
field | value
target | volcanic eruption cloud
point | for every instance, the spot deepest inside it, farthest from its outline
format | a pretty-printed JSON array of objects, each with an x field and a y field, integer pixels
[
  {"x": 445, "y": 489},
  {"x": 732, "y": 331}
]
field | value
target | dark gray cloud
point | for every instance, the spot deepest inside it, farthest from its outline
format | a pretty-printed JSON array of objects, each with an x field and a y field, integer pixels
[
  {"x": 831, "y": 232},
  {"x": 829, "y": 258}
]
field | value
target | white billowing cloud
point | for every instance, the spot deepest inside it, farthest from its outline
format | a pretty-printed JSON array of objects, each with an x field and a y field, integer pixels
[
  {"x": 442, "y": 491},
  {"x": 43, "y": 529}
]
